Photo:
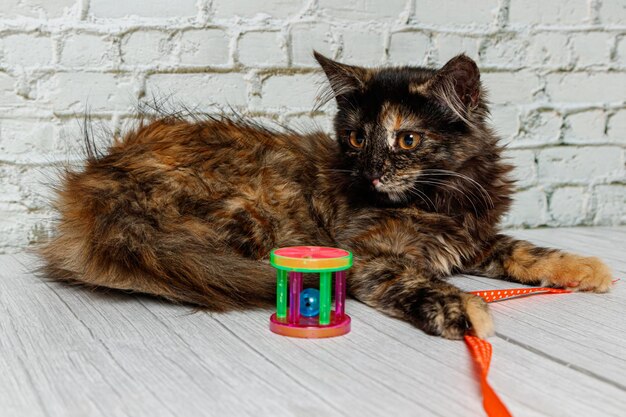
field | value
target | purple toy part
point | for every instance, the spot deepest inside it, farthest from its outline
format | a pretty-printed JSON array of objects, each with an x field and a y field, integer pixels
[
  {"x": 340, "y": 293},
  {"x": 295, "y": 285}
]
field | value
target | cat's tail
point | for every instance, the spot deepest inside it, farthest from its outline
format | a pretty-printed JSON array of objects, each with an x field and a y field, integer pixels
[
  {"x": 127, "y": 249},
  {"x": 176, "y": 267}
]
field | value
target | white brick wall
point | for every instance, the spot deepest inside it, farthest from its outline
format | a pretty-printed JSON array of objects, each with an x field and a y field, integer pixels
[{"x": 555, "y": 69}]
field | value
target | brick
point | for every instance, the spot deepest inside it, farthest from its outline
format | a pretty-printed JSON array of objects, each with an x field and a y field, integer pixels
[
  {"x": 82, "y": 50},
  {"x": 28, "y": 185},
  {"x": 362, "y": 47},
  {"x": 580, "y": 165},
  {"x": 613, "y": 12},
  {"x": 200, "y": 47},
  {"x": 10, "y": 182},
  {"x": 568, "y": 206},
  {"x": 147, "y": 47},
  {"x": 450, "y": 45},
  {"x": 306, "y": 37},
  {"x": 26, "y": 50},
  {"x": 277, "y": 9},
  {"x": 616, "y": 129},
  {"x": 14, "y": 219},
  {"x": 553, "y": 12},
  {"x": 525, "y": 172},
  {"x": 163, "y": 9},
  {"x": 77, "y": 92},
  {"x": 435, "y": 12},
  {"x": 585, "y": 87},
  {"x": 42, "y": 9},
  {"x": 409, "y": 48},
  {"x": 261, "y": 49},
  {"x": 585, "y": 127},
  {"x": 609, "y": 202},
  {"x": 549, "y": 49},
  {"x": 592, "y": 49},
  {"x": 529, "y": 209},
  {"x": 296, "y": 92},
  {"x": 26, "y": 141},
  {"x": 540, "y": 127},
  {"x": 8, "y": 93},
  {"x": 505, "y": 120},
  {"x": 510, "y": 87},
  {"x": 503, "y": 51},
  {"x": 200, "y": 91},
  {"x": 363, "y": 9}
]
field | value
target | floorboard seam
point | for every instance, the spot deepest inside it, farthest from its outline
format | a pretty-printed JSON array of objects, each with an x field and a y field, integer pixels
[{"x": 561, "y": 361}]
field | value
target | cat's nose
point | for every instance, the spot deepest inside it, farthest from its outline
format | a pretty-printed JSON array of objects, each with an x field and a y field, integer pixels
[{"x": 373, "y": 176}]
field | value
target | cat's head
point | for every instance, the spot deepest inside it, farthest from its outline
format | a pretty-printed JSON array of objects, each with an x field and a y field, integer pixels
[{"x": 401, "y": 127}]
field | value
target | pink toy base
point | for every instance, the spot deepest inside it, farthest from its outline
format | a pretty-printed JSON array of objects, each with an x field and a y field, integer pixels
[{"x": 309, "y": 328}]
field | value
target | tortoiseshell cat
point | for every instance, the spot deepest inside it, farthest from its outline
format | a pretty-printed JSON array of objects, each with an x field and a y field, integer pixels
[{"x": 414, "y": 185}]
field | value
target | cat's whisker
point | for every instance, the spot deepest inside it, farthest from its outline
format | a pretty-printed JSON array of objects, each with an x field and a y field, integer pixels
[
  {"x": 460, "y": 191},
  {"x": 479, "y": 187},
  {"x": 445, "y": 184},
  {"x": 472, "y": 181},
  {"x": 422, "y": 195},
  {"x": 436, "y": 184},
  {"x": 478, "y": 198},
  {"x": 427, "y": 172}
]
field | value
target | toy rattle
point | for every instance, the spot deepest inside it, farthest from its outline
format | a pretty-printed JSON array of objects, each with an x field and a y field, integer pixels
[{"x": 308, "y": 313}]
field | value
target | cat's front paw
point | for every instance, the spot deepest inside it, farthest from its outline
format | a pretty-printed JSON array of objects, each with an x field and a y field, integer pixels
[
  {"x": 479, "y": 316},
  {"x": 579, "y": 273},
  {"x": 452, "y": 315}
]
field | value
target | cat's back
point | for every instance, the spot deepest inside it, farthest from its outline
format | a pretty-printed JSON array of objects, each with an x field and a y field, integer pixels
[
  {"x": 217, "y": 146},
  {"x": 210, "y": 174}
]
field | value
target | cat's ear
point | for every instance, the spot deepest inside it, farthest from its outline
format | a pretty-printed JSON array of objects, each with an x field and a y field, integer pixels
[
  {"x": 457, "y": 85},
  {"x": 343, "y": 79}
]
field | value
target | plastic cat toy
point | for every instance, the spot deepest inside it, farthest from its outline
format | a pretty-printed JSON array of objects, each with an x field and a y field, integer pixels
[{"x": 309, "y": 314}]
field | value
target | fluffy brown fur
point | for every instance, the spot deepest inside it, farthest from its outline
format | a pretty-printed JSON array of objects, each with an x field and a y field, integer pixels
[{"x": 414, "y": 185}]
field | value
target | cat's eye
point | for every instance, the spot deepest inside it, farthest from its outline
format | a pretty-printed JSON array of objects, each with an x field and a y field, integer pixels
[
  {"x": 408, "y": 140},
  {"x": 356, "y": 139}
]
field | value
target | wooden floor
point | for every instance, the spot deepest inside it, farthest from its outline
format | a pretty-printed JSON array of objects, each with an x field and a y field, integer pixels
[{"x": 72, "y": 352}]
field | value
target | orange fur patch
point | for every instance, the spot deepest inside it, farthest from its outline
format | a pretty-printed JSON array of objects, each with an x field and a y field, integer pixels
[
  {"x": 479, "y": 316},
  {"x": 558, "y": 268}
]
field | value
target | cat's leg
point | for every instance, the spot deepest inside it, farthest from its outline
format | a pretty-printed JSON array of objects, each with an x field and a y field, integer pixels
[
  {"x": 524, "y": 262},
  {"x": 400, "y": 262},
  {"x": 397, "y": 287}
]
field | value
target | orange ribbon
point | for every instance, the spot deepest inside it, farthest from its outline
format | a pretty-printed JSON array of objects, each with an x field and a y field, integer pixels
[
  {"x": 491, "y": 296},
  {"x": 481, "y": 350},
  {"x": 481, "y": 353}
]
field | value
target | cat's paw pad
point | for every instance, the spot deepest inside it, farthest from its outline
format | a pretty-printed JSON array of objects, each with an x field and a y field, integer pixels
[
  {"x": 452, "y": 315},
  {"x": 580, "y": 273}
]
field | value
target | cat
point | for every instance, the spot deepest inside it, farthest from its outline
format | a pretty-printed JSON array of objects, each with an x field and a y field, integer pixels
[{"x": 414, "y": 184}]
